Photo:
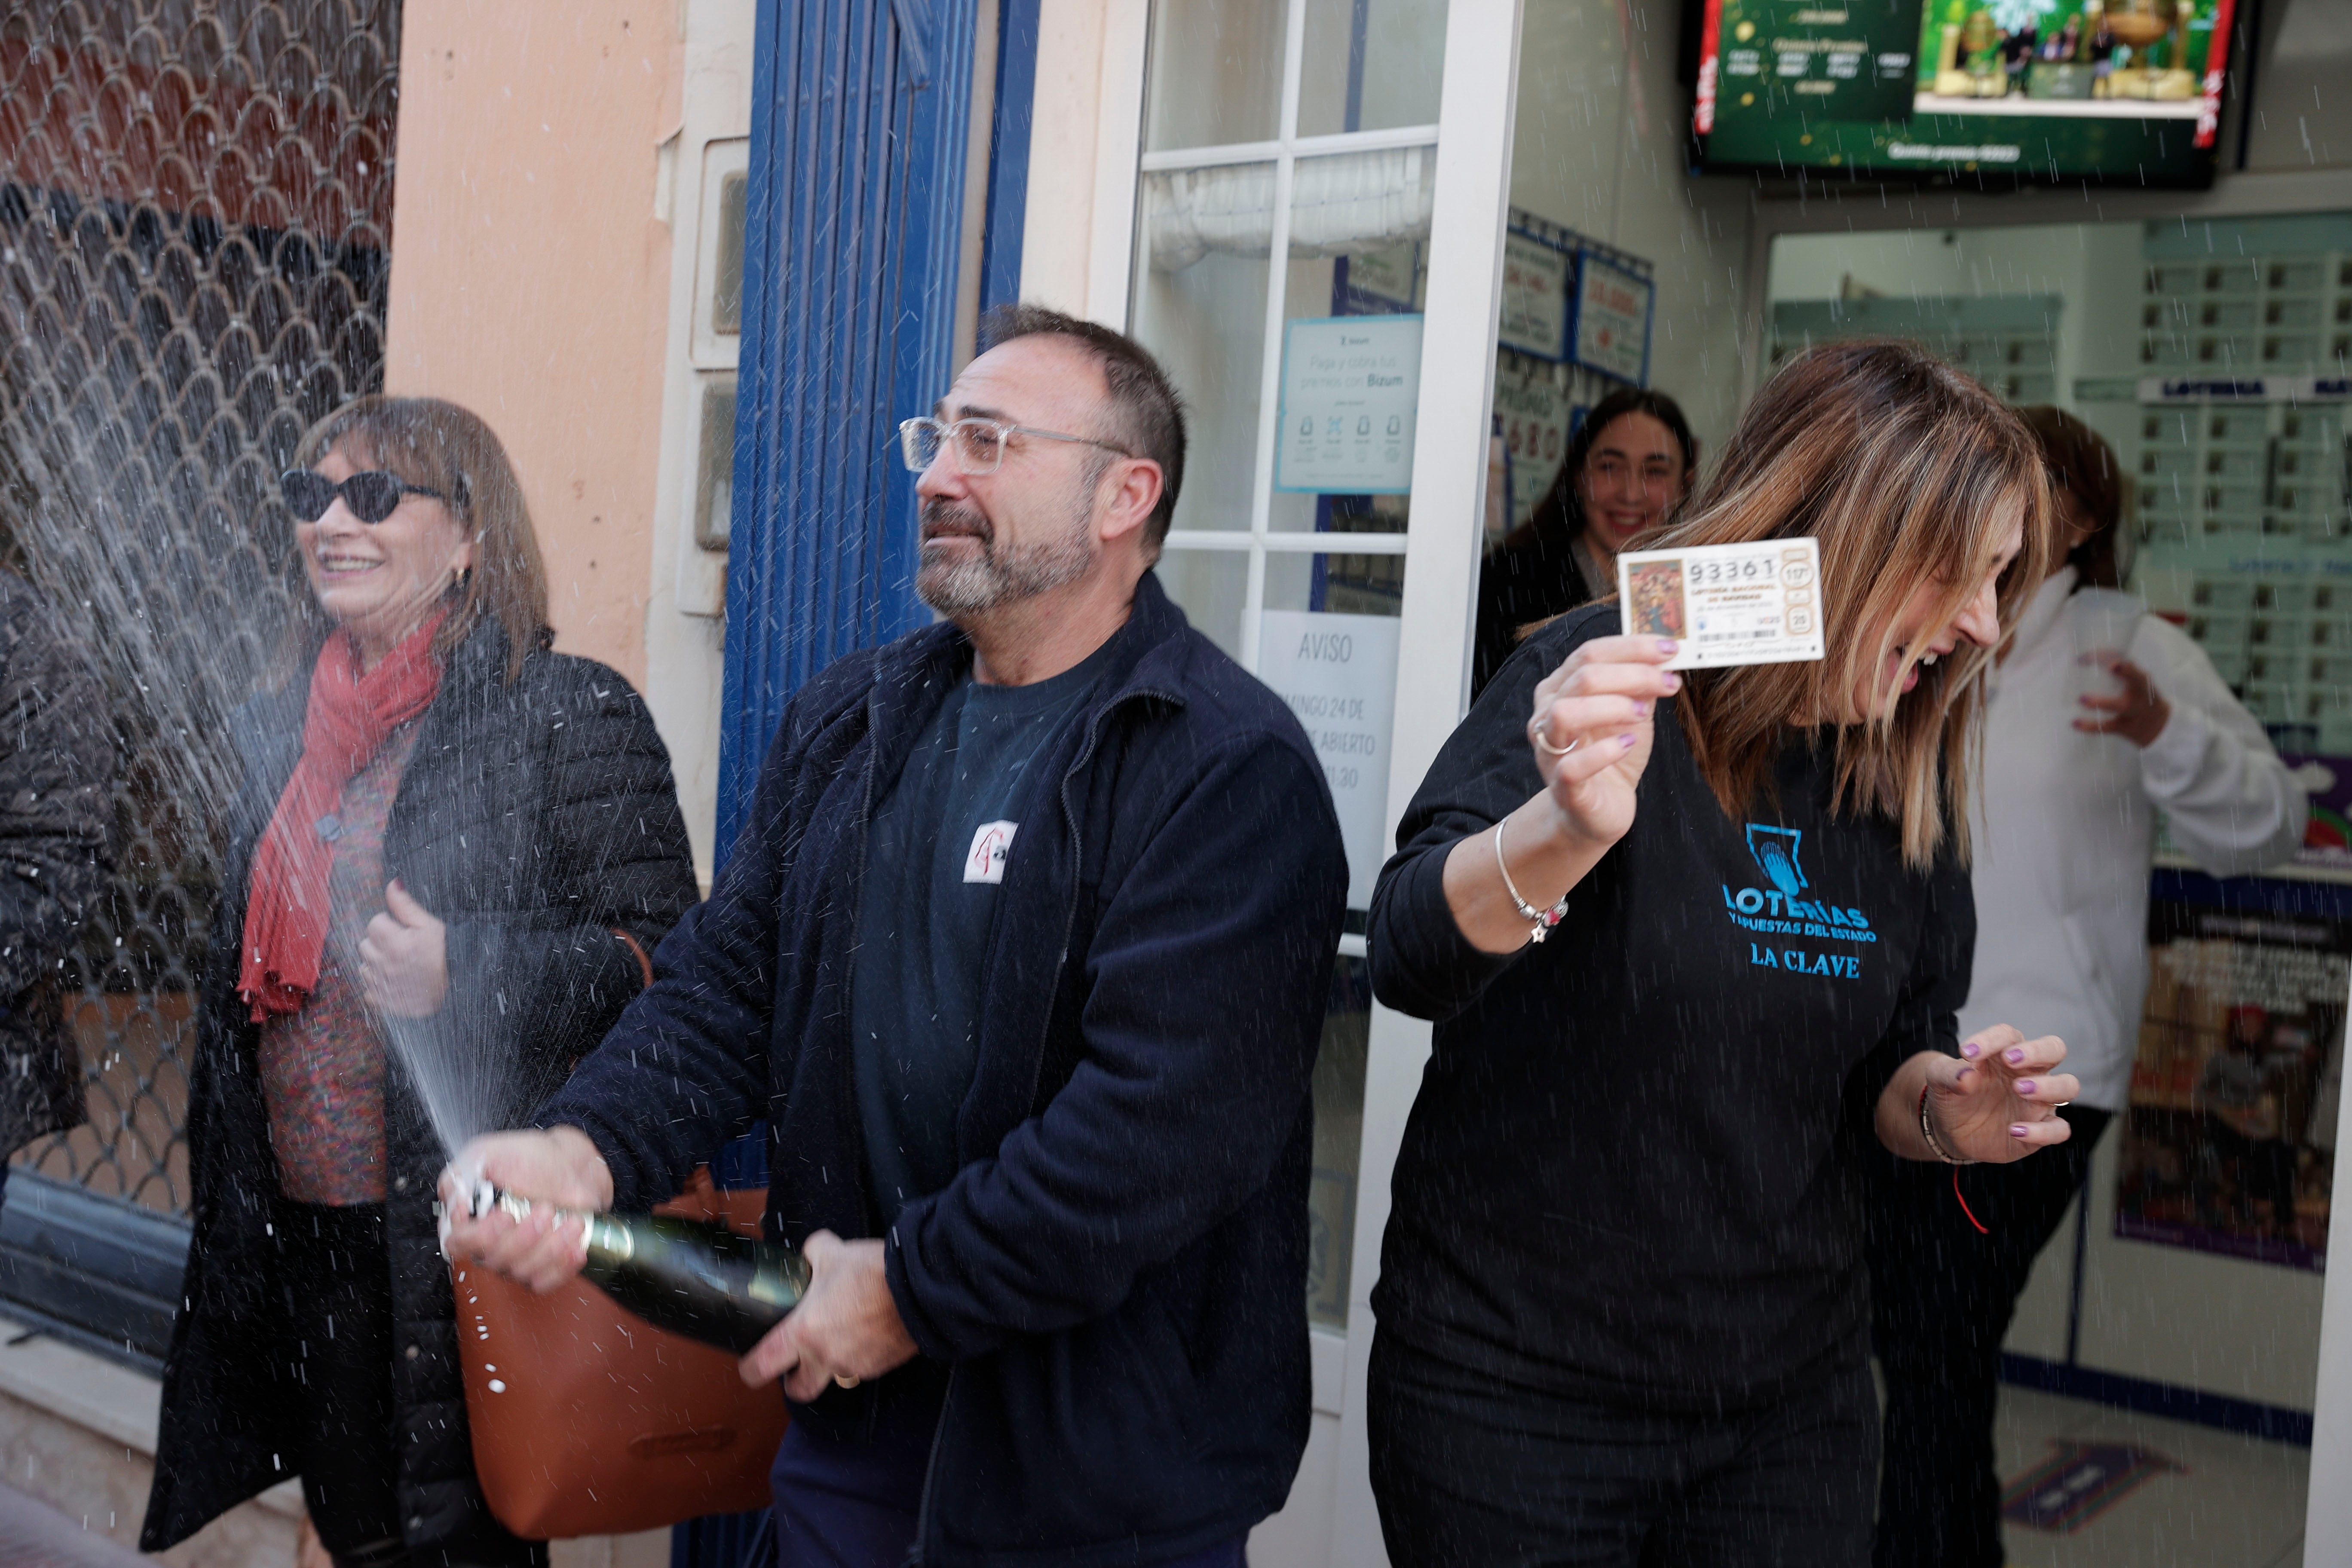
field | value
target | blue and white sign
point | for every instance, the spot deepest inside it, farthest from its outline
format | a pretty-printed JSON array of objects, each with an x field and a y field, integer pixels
[
  {"x": 1613, "y": 319},
  {"x": 1534, "y": 297},
  {"x": 1349, "y": 387}
]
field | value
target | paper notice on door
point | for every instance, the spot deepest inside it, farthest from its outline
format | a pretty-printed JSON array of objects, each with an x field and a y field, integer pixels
[{"x": 1339, "y": 675}]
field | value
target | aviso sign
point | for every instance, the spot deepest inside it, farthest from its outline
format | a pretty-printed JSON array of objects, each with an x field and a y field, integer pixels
[{"x": 1339, "y": 675}]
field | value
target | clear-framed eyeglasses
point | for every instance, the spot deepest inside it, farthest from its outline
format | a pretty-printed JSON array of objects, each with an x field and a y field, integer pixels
[{"x": 978, "y": 444}]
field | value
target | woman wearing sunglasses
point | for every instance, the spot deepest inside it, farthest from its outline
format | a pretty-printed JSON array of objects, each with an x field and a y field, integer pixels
[{"x": 452, "y": 854}]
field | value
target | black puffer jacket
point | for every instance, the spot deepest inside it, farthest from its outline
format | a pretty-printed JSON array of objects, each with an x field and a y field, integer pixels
[
  {"x": 538, "y": 819},
  {"x": 57, "y": 767}
]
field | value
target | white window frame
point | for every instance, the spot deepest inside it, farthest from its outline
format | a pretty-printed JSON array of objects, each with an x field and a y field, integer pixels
[
  {"x": 1283, "y": 153},
  {"x": 684, "y": 642},
  {"x": 1478, "y": 102}
]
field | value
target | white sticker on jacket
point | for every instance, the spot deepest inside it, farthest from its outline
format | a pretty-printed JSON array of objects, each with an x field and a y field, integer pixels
[{"x": 989, "y": 844}]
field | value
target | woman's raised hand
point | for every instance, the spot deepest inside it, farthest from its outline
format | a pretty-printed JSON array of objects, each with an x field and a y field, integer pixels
[
  {"x": 1997, "y": 1100},
  {"x": 1591, "y": 728}
]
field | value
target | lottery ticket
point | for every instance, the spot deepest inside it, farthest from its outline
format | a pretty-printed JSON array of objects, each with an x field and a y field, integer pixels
[{"x": 1726, "y": 604}]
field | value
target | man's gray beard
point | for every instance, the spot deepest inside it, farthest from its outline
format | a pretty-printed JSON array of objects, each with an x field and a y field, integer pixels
[{"x": 975, "y": 585}]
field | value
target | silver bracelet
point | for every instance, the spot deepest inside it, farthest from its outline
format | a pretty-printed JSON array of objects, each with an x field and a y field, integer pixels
[
  {"x": 1927, "y": 1131},
  {"x": 1541, "y": 921}
]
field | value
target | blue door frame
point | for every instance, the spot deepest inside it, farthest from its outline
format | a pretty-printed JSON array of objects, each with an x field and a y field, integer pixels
[
  {"x": 1008, "y": 150},
  {"x": 855, "y": 217}
]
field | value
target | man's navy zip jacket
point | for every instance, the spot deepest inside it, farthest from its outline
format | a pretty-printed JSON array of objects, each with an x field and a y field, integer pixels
[{"x": 1116, "y": 1278}]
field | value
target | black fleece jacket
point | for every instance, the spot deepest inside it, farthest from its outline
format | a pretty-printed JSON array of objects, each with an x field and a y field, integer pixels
[{"x": 1116, "y": 1278}]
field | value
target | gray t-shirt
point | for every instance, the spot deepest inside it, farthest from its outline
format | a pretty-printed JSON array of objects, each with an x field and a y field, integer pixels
[{"x": 935, "y": 855}]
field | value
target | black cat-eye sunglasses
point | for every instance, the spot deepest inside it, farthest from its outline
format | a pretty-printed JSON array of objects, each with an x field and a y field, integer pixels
[{"x": 371, "y": 496}]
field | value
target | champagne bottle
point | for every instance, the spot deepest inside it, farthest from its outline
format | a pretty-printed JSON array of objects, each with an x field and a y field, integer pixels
[{"x": 703, "y": 1281}]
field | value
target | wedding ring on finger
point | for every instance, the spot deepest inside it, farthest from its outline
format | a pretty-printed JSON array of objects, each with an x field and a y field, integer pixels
[
  {"x": 1543, "y": 745},
  {"x": 844, "y": 1380}
]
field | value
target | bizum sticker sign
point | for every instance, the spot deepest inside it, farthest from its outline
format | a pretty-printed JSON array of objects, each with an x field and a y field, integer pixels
[{"x": 1350, "y": 384}]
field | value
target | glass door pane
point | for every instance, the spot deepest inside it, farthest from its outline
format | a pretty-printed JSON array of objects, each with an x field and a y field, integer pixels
[
  {"x": 1370, "y": 65},
  {"x": 1216, "y": 73},
  {"x": 1199, "y": 305},
  {"x": 1303, "y": 130}
]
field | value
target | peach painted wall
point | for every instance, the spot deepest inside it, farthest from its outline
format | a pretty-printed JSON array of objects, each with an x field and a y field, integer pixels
[{"x": 531, "y": 277}]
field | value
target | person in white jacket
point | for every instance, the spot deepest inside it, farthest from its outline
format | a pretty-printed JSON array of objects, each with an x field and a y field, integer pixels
[{"x": 2064, "y": 839}]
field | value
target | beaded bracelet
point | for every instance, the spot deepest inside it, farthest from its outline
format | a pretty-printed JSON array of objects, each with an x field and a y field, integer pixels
[
  {"x": 1542, "y": 920},
  {"x": 1936, "y": 1144}
]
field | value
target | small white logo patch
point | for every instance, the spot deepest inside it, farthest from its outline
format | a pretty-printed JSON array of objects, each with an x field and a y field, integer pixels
[{"x": 989, "y": 844}]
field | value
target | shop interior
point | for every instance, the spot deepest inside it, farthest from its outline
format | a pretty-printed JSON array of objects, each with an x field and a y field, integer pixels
[
  {"x": 2169, "y": 1289},
  {"x": 2159, "y": 1379},
  {"x": 2160, "y": 1376}
]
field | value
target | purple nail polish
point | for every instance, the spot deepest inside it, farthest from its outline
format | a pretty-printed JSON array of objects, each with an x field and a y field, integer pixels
[
  {"x": 2017, "y": 1055},
  {"x": 2017, "y": 1130},
  {"x": 2026, "y": 1086},
  {"x": 1626, "y": 742},
  {"x": 1667, "y": 645},
  {"x": 1972, "y": 1050}
]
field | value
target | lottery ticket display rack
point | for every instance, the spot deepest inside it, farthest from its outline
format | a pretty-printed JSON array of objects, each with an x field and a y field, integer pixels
[{"x": 1542, "y": 392}]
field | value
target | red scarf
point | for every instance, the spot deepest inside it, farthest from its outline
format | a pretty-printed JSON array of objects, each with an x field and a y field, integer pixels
[{"x": 351, "y": 716}]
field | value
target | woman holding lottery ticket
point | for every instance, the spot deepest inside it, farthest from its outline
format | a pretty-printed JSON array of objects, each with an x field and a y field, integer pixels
[{"x": 1692, "y": 916}]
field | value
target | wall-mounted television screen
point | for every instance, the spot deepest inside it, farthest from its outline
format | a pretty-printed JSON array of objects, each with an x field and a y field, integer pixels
[{"x": 1978, "y": 91}]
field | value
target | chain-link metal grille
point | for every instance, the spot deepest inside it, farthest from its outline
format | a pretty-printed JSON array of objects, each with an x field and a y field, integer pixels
[{"x": 196, "y": 202}]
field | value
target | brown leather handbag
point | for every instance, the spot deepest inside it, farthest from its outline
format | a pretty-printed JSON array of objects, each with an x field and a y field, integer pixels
[{"x": 588, "y": 1421}]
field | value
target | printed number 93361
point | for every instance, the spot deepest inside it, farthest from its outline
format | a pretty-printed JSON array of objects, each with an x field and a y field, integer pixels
[{"x": 1726, "y": 604}]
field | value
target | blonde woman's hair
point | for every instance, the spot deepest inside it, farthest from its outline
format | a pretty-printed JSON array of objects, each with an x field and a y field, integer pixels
[
  {"x": 1906, "y": 472},
  {"x": 441, "y": 447}
]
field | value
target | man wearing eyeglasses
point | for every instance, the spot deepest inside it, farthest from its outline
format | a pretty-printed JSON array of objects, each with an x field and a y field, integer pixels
[{"x": 1023, "y": 955}]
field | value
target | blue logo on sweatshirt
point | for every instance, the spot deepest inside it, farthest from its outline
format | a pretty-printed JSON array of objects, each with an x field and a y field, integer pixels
[
  {"x": 1775, "y": 850},
  {"x": 1782, "y": 908}
]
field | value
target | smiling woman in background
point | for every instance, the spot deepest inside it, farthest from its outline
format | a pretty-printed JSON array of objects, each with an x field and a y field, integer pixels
[
  {"x": 2065, "y": 836},
  {"x": 450, "y": 841},
  {"x": 1631, "y": 464}
]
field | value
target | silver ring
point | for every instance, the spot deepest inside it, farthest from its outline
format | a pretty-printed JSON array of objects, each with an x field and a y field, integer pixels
[{"x": 1545, "y": 745}]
